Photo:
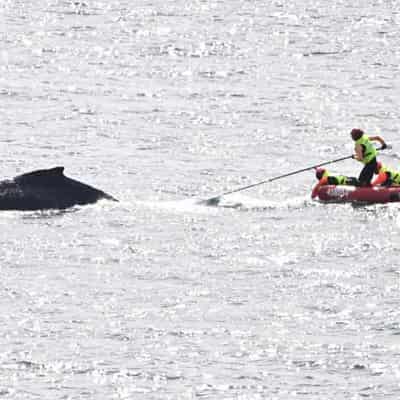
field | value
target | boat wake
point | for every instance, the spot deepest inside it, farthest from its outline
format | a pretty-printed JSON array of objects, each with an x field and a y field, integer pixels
[
  {"x": 237, "y": 202},
  {"x": 246, "y": 203},
  {"x": 180, "y": 206}
]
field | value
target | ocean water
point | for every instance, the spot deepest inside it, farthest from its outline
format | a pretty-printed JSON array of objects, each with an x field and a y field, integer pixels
[{"x": 162, "y": 103}]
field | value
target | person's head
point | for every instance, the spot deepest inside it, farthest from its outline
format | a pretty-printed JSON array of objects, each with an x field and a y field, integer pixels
[
  {"x": 378, "y": 167},
  {"x": 356, "y": 134},
  {"x": 319, "y": 173}
]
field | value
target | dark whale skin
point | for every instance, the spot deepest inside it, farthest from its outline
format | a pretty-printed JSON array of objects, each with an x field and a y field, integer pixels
[{"x": 47, "y": 189}]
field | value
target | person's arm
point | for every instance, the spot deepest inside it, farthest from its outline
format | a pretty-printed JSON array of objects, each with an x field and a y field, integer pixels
[
  {"x": 358, "y": 152},
  {"x": 323, "y": 181},
  {"x": 381, "y": 178},
  {"x": 378, "y": 139}
]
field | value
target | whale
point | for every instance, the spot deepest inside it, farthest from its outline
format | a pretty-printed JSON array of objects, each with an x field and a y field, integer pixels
[{"x": 47, "y": 189}]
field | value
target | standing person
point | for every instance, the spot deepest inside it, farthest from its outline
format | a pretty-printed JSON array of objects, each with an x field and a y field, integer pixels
[
  {"x": 325, "y": 178},
  {"x": 365, "y": 152}
]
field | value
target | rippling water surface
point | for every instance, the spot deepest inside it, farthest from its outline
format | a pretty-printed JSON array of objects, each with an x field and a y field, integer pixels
[{"x": 161, "y": 103}]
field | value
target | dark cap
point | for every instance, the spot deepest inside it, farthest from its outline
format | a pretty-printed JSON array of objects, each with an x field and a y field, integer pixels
[
  {"x": 319, "y": 172},
  {"x": 356, "y": 134}
]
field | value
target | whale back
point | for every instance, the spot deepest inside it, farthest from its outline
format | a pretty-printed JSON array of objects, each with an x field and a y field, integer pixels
[
  {"x": 43, "y": 176},
  {"x": 47, "y": 189}
]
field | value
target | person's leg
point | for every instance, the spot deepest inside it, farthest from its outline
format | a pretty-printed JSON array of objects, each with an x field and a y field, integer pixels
[
  {"x": 367, "y": 173},
  {"x": 352, "y": 181}
]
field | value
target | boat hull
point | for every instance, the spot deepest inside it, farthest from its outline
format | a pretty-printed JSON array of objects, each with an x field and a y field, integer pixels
[{"x": 352, "y": 194}]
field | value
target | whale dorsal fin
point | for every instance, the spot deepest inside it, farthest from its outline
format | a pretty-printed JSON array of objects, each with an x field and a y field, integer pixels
[{"x": 52, "y": 173}]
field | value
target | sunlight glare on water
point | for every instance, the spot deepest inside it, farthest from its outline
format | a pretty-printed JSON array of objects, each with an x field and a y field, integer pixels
[{"x": 268, "y": 295}]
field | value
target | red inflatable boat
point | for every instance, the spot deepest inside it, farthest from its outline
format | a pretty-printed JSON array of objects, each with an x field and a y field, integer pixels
[{"x": 352, "y": 194}]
